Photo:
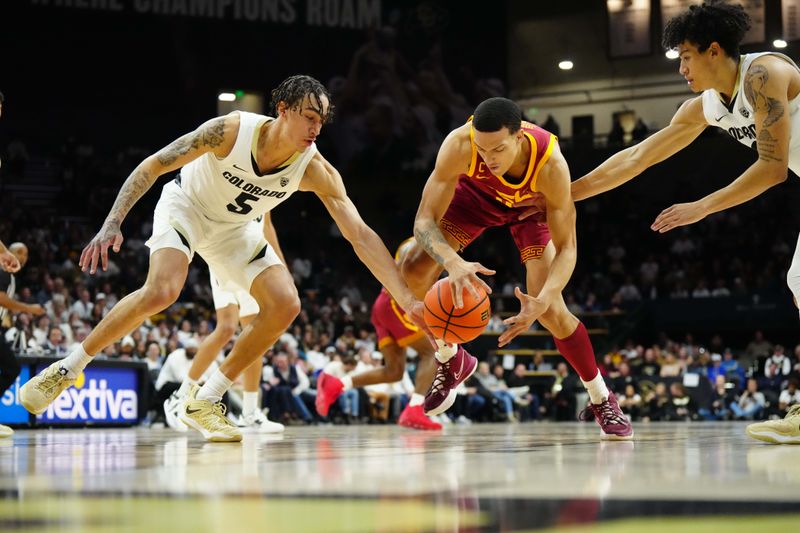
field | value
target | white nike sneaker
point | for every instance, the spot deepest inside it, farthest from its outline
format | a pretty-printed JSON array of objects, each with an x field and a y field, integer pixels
[
  {"x": 172, "y": 408},
  {"x": 257, "y": 422}
]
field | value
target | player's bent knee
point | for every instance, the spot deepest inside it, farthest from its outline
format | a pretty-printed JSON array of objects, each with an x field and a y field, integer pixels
[
  {"x": 158, "y": 298},
  {"x": 394, "y": 373},
  {"x": 285, "y": 310},
  {"x": 226, "y": 329}
]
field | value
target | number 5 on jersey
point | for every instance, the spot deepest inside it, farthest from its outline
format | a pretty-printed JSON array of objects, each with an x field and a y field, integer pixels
[{"x": 242, "y": 207}]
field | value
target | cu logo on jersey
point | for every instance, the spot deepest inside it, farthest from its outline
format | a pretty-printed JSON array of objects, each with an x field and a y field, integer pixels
[
  {"x": 745, "y": 113},
  {"x": 284, "y": 181}
]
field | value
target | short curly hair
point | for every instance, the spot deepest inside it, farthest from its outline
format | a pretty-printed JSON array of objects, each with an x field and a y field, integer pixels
[
  {"x": 294, "y": 89},
  {"x": 712, "y": 21}
]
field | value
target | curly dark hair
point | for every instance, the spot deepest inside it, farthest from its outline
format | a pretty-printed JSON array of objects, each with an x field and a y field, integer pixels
[
  {"x": 713, "y": 21},
  {"x": 293, "y": 89}
]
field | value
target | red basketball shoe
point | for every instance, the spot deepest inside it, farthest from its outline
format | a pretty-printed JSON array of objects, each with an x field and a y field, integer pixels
[
  {"x": 414, "y": 417},
  {"x": 329, "y": 388},
  {"x": 448, "y": 376},
  {"x": 614, "y": 425}
]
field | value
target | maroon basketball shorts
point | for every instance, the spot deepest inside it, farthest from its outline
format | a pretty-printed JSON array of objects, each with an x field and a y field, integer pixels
[{"x": 472, "y": 211}]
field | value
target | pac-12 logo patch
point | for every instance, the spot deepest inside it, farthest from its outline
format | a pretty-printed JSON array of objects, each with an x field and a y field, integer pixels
[{"x": 284, "y": 181}]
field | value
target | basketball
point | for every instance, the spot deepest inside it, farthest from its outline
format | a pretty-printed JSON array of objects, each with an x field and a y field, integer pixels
[{"x": 455, "y": 325}]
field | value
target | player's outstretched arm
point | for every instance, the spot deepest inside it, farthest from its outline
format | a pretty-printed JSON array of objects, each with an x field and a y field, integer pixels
[
  {"x": 217, "y": 135},
  {"x": 687, "y": 124},
  {"x": 766, "y": 87},
  {"x": 272, "y": 236},
  {"x": 436, "y": 197},
  {"x": 325, "y": 181},
  {"x": 554, "y": 184}
]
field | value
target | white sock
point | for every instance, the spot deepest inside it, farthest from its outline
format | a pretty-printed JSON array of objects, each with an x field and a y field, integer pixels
[
  {"x": 445, "y": 351},
  {"x": 347, "y": 381},
  {"x": 75, "y": 362},
  {"x": 215, "y": 387},
  {"x": 416, "y": 399},
  {"x": 249, "y": 402},
  {"x": 185, "y": 386},
  {"x": 598, "y": 392}
]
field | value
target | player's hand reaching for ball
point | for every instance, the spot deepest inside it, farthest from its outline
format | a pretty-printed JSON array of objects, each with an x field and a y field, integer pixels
[
  {"x": 9, "y": 262},
  {"x": 464, "y": 276},
  {"x": 678, "y": 215},
  {"x": 110, "y": 235},
  {"x": 531, "y": 308}
]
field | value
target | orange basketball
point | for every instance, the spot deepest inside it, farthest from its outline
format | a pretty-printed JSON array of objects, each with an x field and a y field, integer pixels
[{"x": 455, "y": 325}]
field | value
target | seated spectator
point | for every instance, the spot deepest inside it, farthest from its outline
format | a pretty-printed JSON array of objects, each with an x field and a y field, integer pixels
[
  {"x": 789, "y": 396},
  {"x": 55, "y": 344},
  {"x": 657, "y": 401},
  {"x": 680, "y": 406},
  {"x": 153, "y": 357},
  {"x": 778, "y": 364},
  {"x": 671, "y": 367},
  {"x": 716, "y": 368},
  {"x": 721, "y": 397},
  {"x": 482, "y": 404},
  {"x": 733, "y": 370},
  {"x": 631, "y": 402},
  {"x": 650, "y": 366},
  {"x": 284, "y": 391},
  {"x": 528, "y": 402},
  {"x": 750, "y": 403}
]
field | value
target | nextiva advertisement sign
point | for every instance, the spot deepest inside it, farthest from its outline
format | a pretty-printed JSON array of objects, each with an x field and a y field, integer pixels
[
  {"x": 11, "y": 411},
  {"x": 100, "y": 395}
]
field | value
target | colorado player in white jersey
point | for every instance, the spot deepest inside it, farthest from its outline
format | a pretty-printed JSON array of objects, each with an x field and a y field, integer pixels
[
  {"x": 754, "y": 97},
  {"x": 235, "y": 168},
  {"x": 233, "y": 306}
]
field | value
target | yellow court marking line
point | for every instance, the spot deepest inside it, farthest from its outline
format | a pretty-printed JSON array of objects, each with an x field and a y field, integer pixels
[
  {"x": 285, "y": 515},
  {"x": 688, "y": 524}
]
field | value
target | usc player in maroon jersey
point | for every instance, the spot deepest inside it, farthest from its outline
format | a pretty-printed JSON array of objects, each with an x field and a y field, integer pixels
[{"x": 487, "y": 171}]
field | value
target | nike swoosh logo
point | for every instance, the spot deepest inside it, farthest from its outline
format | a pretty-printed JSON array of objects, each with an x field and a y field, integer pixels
[
  {"x": 720, "y": 118},
  {"x": 192, "y": 411},
  {"x": 243, "y": 170}
]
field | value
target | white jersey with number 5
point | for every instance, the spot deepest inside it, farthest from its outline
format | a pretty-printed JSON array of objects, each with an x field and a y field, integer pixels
[
  {"x": 232, "y": 189},
  {"x": 737, "y": 119}
]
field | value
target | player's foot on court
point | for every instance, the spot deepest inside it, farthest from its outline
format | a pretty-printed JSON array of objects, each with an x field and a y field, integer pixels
[
  {"x": 448, "y": 376},
  {"x": 257, "y": 422},
  {"x": 329, "y": 388},
  {"x": 172, "y": 410},
  {"x": 784, "y": 431},
  {"x": 414, "y": 417},
  {"x": 5, "y": 431},
  {"x": 45, "y": 387},
  {"x": 208, "y": 418},
  {"x": 614, "y": 425}
]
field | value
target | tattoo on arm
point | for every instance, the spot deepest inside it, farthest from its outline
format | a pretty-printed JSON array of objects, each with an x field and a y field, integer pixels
[
  {"x": 428, "y": 236},
  {"x": 754, "y": 84},
  {"x": 767, "y": 147},
  {"x": 211, "y": 135},
  {"x": 134, "y": 188}
]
